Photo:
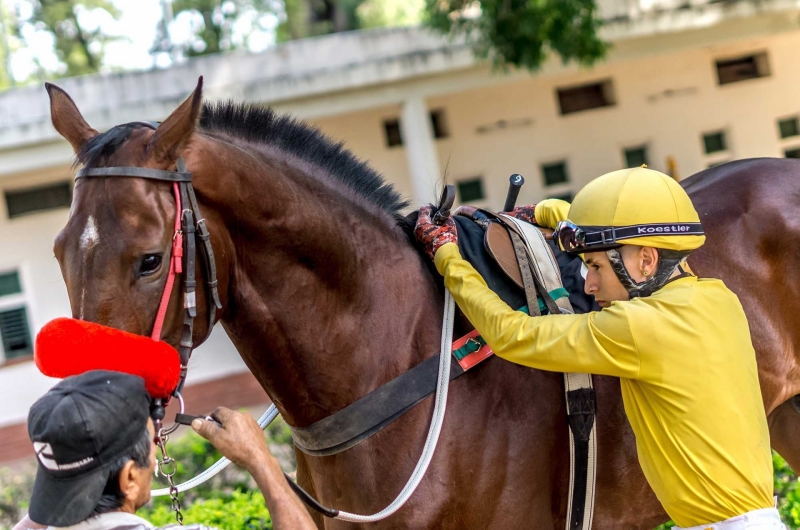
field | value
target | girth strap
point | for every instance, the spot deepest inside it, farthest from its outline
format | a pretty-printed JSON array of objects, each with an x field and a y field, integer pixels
[
  {"x": 578, "y": 389},
  {"x": 363, "y": 418}
]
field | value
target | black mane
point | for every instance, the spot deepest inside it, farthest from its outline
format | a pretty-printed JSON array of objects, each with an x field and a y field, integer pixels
[
  {"x": 255, "y": 123},
  {"x": 96, "y": 151}
]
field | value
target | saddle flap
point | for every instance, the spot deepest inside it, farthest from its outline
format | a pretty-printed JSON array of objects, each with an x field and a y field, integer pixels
[{"x": 499, "y": 246}]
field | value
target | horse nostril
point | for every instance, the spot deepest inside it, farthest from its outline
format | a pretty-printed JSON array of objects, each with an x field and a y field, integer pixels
[{"x": 150, "y": 264}]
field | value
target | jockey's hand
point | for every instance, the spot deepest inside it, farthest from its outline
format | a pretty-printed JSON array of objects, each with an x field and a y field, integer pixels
[
  {"x": 523, "y": 213},
  {"x": 239, "y": 438},
  {"x": 431, "y": 235}
]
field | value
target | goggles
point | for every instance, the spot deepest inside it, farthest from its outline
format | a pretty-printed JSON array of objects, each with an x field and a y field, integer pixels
[{"x": 577, "y": 240}]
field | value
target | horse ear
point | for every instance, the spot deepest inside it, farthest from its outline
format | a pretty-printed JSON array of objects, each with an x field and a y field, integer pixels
[
  {"x": 174, "y": 133},
  {"x": 67, "y": 119}
]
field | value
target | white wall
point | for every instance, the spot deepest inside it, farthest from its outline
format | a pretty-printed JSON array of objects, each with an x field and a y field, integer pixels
[{"x": 666, "y": 100}]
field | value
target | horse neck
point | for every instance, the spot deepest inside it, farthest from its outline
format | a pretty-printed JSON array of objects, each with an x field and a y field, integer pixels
[{"x": 327, "y": 298}]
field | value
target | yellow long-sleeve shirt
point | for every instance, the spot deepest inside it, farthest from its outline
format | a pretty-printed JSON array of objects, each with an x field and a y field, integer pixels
[{"x": 688, "y": 376}]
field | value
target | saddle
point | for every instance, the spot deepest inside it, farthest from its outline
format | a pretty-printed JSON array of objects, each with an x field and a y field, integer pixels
[
  {"x": 526, "y": 272},
  {"x": 491, "y": 253}
]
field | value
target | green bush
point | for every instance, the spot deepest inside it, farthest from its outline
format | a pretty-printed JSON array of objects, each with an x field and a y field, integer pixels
[
  {"x": 241, "y": 510},
  {"x": 231, "y": 501}
]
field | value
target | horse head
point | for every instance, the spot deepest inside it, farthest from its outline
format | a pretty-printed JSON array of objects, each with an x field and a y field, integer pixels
[{"x": 115, "y": 250}]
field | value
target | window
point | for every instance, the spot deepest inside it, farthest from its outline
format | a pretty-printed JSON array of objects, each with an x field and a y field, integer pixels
[
  {"x": 392, "y": 130},
  {"x": 789, "y": 127},
  {"x": 564, "y": 196},
  {"x": 439, "y": 123},
  {"x": 10, "y": 284},
  {"x": 792, "y": 153},
  {"x": 39, "y": 199},
  {"x": 586, "y": 97},
  {"x": 742, "y": 68},
  {"x": 470, "y": 190},
  {"x": 636, "y": 156},
  {"x": 555, "y": 173},
  {"x": 15, "y": 333},
  {"x": 714, "y": 142},
  {"x": 394, "y": 135}
]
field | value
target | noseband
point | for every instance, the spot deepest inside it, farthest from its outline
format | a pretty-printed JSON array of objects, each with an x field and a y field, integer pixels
[{"x": 189, "y": 225}]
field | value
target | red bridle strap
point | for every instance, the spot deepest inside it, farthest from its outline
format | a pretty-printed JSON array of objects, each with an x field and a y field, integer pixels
[{"x": 175, "y": 266}]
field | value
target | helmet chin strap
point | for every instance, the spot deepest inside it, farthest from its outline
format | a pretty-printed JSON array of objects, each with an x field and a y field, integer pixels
[{"x": 668, "y": 261}]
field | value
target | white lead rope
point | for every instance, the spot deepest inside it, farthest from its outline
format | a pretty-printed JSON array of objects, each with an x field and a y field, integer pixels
[{"x": 427, "y": 451}]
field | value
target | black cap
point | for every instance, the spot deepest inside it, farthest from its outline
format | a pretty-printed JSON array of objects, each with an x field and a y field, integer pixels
[{"x": 80, "y": 427}]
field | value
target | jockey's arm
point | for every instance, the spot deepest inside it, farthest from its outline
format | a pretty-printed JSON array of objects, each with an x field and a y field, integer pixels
[
  {"x": 598, "y": 342},
  {"x": 550, "y": 212}
]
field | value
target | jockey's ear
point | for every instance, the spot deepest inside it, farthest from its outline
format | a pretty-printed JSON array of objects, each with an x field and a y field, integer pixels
[
  {"x": 174, "y": 133},
  {"x": 639, "y": 260},
  {"x": 67, "y": 119},
  {"x": 649, "y": 257}
]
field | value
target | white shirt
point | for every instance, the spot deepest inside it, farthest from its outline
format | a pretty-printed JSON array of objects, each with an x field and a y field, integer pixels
[{"x": 120, "y": 520}]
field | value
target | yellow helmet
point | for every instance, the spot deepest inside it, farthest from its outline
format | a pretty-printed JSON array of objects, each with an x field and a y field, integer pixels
[{"x": 636, "y": 206}]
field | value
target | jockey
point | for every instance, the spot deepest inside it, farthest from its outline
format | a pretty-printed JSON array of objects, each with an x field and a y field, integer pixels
[{"x": 679, "y": 344}]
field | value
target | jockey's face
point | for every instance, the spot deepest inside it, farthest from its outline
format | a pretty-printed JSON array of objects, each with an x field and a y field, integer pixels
[{"x": 601, "y": 281}]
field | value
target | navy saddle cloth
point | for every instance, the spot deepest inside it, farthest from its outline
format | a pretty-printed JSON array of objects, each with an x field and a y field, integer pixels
[{"x": 470, "y": 243}]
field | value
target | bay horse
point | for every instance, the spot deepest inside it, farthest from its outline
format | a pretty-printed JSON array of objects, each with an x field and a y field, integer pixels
[{"x": 326, "y": 296}]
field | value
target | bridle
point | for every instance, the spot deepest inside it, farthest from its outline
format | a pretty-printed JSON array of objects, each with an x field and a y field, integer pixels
[{"x": 189, "y": 225}]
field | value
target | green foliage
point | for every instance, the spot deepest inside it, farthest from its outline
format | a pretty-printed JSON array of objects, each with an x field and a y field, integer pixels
[
  {"x": 384, "y": 13},
  {"x": 216, "y": 32},
  {"x": 15, "y": 493},
  {"x": 787, "y": 488},
  {"x": 310, "y": 18},
  {"x": 229, "y": 501},
  {"x": 241, "y": 510},
  {"x": 522, "y": 33},
  {"x": 79, "y": 49},
  {"x": 195, "y": 454}
]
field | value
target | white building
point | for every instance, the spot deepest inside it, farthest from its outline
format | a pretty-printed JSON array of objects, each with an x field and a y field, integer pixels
[{"x": 695, "y": 81}]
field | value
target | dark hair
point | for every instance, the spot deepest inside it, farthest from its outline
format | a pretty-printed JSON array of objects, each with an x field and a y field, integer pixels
[{"x": 112, "y": 496}]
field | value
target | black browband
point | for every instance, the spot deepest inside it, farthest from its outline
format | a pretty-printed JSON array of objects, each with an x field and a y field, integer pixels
[{"x": 133, "y": 171}]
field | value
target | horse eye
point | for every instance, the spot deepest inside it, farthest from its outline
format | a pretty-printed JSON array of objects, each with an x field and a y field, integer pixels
[{"x": 150, "y": 264}]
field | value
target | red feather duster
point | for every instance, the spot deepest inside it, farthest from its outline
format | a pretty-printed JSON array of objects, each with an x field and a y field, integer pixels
[{"x": 66, "y": 347}]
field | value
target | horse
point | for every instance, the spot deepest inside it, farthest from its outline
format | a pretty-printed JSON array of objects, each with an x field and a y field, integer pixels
[{"x": 327, "y": 296}]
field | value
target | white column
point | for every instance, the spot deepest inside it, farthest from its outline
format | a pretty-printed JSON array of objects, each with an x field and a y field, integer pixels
[{"x": 423, "y": 161}]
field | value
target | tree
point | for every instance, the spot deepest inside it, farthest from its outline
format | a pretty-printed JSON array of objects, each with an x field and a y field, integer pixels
[
  {"x": 79, "y": 48},
  {"x": 522, "y": 33},
  {"x": 216, "y": 22},
  {"x": 310, "y": 18},
  {"x": 385, "y": 13}
]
